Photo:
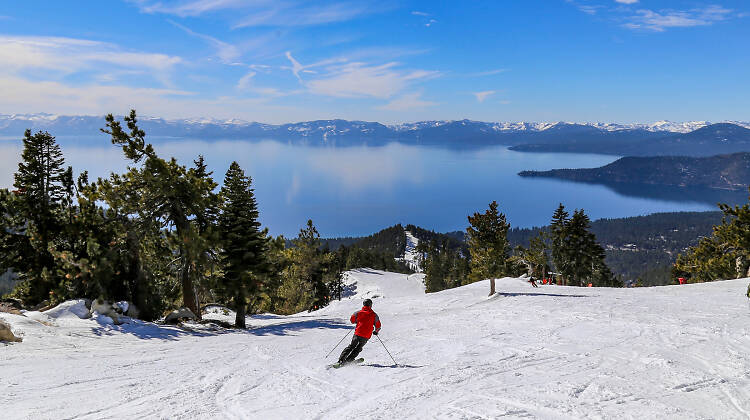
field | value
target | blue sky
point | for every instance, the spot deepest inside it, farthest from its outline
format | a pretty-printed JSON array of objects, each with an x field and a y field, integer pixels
[{"x": 390, "y": 61}]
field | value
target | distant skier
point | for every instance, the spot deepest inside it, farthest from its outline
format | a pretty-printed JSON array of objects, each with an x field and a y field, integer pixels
[{"x": 368, "y": 323}]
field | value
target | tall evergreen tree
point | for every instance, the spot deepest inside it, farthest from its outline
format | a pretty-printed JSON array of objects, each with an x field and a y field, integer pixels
[
  {"x": 40, "y": 190},
  {"x": 558, "y": 232},
  {"x": 487, "y": 237},
  {"x": 584, "y": 262},
  {"x": 180, "y": 198},
  {"x": 244, "y": 244},
  {"x": 304, "y": 286}
]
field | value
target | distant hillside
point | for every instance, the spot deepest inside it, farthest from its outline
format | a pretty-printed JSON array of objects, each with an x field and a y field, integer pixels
[
  {"x": 637, "y": 247},
  {"x": 392, "y": 240},
  {"x": 642, "y": 247},
  {"x": 725, "y": 172},
  {"x": 723, "y": 138},
  {"x": 619, "y": 139}
]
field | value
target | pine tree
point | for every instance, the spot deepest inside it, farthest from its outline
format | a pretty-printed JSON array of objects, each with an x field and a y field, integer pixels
[
  {"x": 40, "y": 189},
  {"x": 558, "y": 232},
  {"x": 244, "y": 244},
  {"x": 181, "y": 198},
  {"x": 584, "y": 257},
  {"x": 487, "y": 237},
  {"x": 535, "y": 256},
  {"x": 304, "y": 286},
  {"x": 723, "y": 255}
]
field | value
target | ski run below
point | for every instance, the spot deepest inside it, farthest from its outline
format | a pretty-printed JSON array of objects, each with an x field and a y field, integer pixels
[
  {"x": 551, "y": 352},
  {"x": 412, "y": 257}
]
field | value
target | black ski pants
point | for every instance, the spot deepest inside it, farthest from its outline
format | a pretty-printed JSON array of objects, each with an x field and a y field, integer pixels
[{"x": 352, "y": 350}]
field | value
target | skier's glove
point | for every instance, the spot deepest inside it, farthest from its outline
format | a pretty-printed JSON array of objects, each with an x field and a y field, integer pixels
[{"x": 375, "y": 332}]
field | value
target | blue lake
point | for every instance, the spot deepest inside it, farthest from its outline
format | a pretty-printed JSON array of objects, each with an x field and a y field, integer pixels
[{"x": 353, "y": 191}]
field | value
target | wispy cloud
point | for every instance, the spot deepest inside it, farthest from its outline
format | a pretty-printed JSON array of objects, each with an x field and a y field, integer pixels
[
  {"x": 626, "y": 1},
  {"x": 418, "y": 13},
  {"x": 304, "y": 15},
  {"x": 409, "y": 101},
  {"x": 488, "y": 73},
  {"x": 362, "y": 80},
  {"x": 247, "y": 13},
  {"x": 64, "y": 56},
  {"x": 226, "y": 52},
  {"x": 481, "y": 96},
  {"x": 245, "y": 80},
  {"x": 665, "y": 19},
  {"x": 430, "y": 23},
  {"x": 585, "y": 8},
  {"x": 298, "y": 68}
]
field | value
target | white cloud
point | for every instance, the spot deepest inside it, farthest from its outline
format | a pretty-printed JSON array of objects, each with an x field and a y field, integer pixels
[
  {"x": 362, "y": 80},
  {"x": 302, "y": 15},
  {"x": 246, "y": 13},
  {"x": 226, "y": 52},
  {"x": 481, "y": 96},
  {"x": 488, "y": 73},
  {"x": 245, "y": 81},
  {"x": 407, "y": 102},
  {"x": 665, "y": 19},
  {"x": 69, "y": 55},
  {"x": 24, "y": 96},
  {"x": 418, "y": 13},
  {"x": 626, "y": 1},
  {"x": 298, "y": 68},
  {"x": 186, "y": 8},
  {"x": 430, "y": 23}
]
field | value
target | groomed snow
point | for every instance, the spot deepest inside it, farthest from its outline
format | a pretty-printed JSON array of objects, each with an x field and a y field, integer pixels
[{"x": 552, "y": 353}]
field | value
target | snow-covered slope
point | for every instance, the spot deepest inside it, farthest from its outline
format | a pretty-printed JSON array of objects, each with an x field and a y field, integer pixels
[
  {"x": 552, "y": 353},
  {"x": 411, "y": 257}
]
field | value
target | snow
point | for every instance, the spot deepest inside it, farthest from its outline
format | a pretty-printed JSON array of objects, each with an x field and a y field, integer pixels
[
  {"x": 73, "y": 309},
  {"x": 553, "y": 353},
  {"x": 411, "y": 257}
]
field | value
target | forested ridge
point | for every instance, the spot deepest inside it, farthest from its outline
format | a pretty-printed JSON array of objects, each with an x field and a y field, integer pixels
[{"x": 639, "y": 247}]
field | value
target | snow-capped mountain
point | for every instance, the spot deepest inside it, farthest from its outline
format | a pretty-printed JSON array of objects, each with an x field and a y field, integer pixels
[{"x": 454, "y": 134}]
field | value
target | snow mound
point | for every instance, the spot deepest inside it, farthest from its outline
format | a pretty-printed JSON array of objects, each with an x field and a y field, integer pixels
[
  {"x": 72, "y": 309},
  {"x": 366, "y": 283}
]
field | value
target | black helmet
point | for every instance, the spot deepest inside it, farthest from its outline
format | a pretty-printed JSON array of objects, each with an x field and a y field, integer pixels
[{"x": 367, "y": 302}]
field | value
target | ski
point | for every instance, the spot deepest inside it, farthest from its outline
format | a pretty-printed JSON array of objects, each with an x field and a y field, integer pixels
[{"x": 338, "y": 365}]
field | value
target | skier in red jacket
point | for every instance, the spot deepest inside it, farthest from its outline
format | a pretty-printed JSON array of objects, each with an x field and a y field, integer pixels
[{"x": 368, "y": 323}]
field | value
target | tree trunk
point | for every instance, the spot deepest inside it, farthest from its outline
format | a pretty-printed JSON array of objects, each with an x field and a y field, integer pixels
[
  {"x": 492, "y": 286},
  {"x": 239, "y": 304},
  {"x": 138, "y": 276},
  {"x": 188, "y": 294}
]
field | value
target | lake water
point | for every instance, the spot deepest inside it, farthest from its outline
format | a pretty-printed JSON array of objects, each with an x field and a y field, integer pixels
[{"x": 354, "y": 191}]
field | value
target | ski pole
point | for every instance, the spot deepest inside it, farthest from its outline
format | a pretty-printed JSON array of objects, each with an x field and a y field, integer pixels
[
  {"x": 386, "y": 349},
  {"x": 329, "y": 353}
]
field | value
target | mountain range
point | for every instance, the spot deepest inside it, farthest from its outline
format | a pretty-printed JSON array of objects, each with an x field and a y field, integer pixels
[
  {"x": 714, "y": 139},
  {"x": 698, "y": 138}
]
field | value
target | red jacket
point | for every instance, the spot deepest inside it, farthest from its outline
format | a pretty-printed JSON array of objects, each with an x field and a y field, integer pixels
[{"x": 366, "y": 320}]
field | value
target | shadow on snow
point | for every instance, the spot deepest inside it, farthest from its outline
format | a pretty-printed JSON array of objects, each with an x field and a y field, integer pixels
[
  {"x": 151, "y": 331},
  {"x": 511, "y": 294},
  {"x": 392, "y": 366}
]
